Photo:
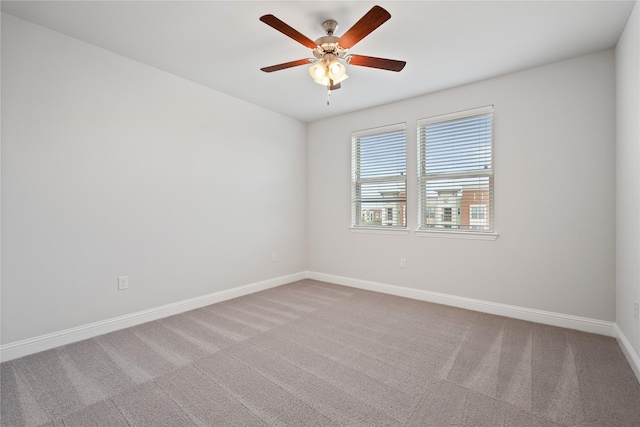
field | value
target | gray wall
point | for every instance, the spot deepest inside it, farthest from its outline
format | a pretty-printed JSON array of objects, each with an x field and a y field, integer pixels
[
  {"x": 113, "y": 168},
  {"x": 554, "y": 195},
  {"x": 628, "y": 179}
]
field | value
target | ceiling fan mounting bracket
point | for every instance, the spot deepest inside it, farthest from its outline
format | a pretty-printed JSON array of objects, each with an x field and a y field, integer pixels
[{"x": 329, "y": 26}]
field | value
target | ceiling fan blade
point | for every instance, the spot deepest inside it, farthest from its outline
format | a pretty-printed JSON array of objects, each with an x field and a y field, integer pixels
[
  {"x": 334, "y": 86},
  {"x": 369, "y": 22},
  {"x": 373, "y": 62},
  {"x": 287, "y": 30},
  {"x": 286, "y": 65}
]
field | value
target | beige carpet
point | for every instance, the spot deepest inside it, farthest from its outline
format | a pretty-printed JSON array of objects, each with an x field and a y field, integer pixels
[{"x": 315, "y": 354}]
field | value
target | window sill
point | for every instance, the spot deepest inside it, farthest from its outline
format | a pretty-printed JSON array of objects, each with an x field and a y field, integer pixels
[
  {"x": 380, "y": 230},
  {"x": 471, "y": 235}
]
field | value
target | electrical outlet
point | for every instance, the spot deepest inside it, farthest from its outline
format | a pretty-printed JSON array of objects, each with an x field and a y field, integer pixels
[
  {"x": 403, "y": 263},
  {"x": 274, "y": 257},
  {"x": 123, "y": 283},
  {"x": 635, "y": 310}
]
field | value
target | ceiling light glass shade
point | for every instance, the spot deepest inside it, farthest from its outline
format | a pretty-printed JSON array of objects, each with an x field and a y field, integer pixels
[
  {"x": 336, "y": 71},
  {"x": 319, "y": 72},
  {"x": 341, "y": 79}
]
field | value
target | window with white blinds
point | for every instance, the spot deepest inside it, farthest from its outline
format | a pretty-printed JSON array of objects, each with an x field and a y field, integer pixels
[
  {"x": 379, "y": 177},
  {"x": 455, "y": 171}
]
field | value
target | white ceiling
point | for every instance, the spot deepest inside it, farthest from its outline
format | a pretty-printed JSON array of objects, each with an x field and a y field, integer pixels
[{"x": 223, "y": 45}]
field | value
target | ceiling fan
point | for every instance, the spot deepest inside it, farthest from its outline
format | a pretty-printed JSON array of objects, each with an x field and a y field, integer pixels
[{"x": 330, "y": 52}]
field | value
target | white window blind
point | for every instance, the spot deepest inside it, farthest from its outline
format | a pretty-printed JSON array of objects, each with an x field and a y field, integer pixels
[
  {"x": 379, "y": 177},
  {"x": 455, "y": 168}
]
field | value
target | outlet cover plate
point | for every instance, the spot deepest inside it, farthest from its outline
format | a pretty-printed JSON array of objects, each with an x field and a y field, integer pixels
[{"x": 123, "y": 283}]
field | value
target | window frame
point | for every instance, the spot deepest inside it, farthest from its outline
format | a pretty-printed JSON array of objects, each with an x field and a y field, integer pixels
[{"x": 423, "y": 209}]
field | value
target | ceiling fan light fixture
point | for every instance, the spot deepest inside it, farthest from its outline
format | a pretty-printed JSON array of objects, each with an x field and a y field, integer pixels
[{"x": 324, "y": 73}]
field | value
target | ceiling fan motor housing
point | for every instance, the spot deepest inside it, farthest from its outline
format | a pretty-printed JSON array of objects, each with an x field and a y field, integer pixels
[{"x": 328, "y": 45}]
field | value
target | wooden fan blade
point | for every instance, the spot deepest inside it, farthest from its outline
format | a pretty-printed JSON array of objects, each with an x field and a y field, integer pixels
[
  {"x": 334, "y": 86},
  {"x": 369, "y": 22},
  {"x": 373, "y": 62},
  {"x": 287, "y": 65},
  {"x": 289, "y": 31}
]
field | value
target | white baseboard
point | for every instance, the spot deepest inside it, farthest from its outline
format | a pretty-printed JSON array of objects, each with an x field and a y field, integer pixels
[
  {"x": 45, "y": 342},
  {"x": 546, "y": 317},
  {"x": 629, "y": 353}
]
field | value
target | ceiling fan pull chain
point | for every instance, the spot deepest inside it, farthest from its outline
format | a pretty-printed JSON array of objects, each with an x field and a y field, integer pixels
[{"x": 328, "y": 94}]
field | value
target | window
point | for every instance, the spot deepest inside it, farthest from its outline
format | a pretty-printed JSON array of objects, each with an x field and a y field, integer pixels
[
  {"x": 477, "y": 218},
  {"x": 455, "y": 167},
  {"x": 478, "y": 211},
  {"x": 379, "y": 177},
  {"x": 446, "y": 217}
]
